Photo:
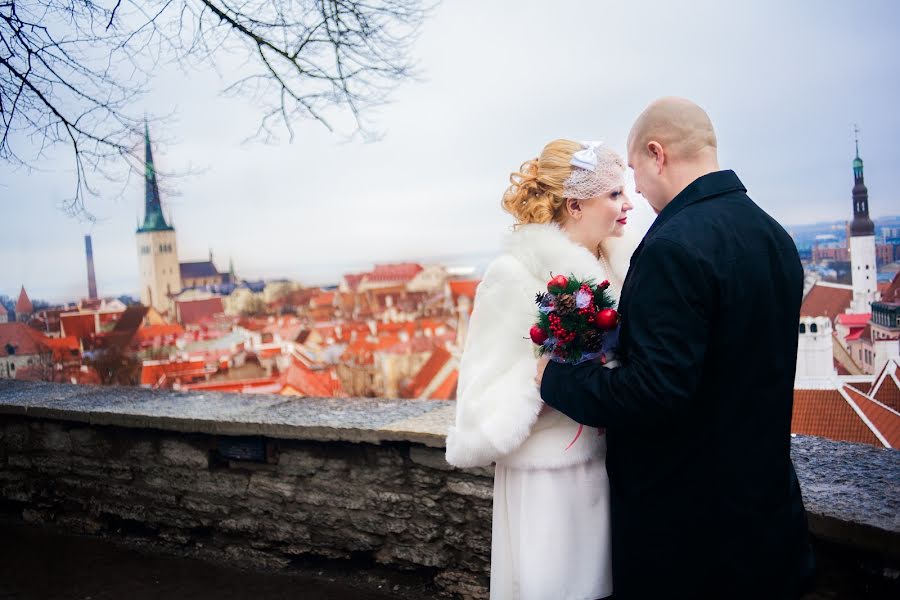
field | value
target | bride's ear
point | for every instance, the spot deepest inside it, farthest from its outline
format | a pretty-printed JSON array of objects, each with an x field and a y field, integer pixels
[{"x": 573, "y": 207}]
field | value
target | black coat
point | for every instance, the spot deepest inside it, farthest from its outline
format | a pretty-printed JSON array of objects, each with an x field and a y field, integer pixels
[{"x": 704, "y": 498}]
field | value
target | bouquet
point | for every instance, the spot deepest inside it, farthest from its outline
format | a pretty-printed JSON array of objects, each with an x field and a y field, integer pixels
[{"x": 574, "y": 318}]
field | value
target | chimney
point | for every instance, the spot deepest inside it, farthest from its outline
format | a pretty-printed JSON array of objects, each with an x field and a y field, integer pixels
[{"x": 92, "y": 280}]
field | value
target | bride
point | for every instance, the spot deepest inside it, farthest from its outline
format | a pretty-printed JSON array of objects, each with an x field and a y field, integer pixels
[{"x": 550, "y": 531}]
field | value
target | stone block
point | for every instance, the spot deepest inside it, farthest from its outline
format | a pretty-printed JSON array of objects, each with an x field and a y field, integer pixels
[
  {"x": 433, "y": 458},
  {"x": 428, "y": 555},
  {"x": 183, "y": 454},
  {"x": 87, "y": 441},
  {"x": 470, "y": 488},
  {"x": 16, "y": 437},
  {"x": 299, "y": 462},
  {"x": 50, "y": 437},
  {"x": 19, "y": 461},
  {"x": 53, "y": 464},
  {"x": 100, "y": 469},
  {"x": 264, "y": 485}
]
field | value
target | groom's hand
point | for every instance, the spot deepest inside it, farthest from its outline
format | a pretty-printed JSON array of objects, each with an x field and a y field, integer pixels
[{"x": 541, "y": 366}]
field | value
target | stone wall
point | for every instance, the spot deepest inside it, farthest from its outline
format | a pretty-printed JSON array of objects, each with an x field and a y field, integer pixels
[
  {"x": 397, "y": 504},
  {"x": 270, "y": 482}
]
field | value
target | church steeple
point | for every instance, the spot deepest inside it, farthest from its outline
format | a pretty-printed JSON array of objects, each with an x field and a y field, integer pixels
[
  {"x": 153, "y": 214},
  {"x": 862, "y": 225}
]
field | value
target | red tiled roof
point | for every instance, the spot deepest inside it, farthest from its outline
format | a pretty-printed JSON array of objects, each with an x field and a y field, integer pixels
[
  {"x": 152, "y": 371},
  {"x": 64, "y": 348},
  {"x": 394, "y": 272},
  {"x": 22, "y": 339},
  {"x": 854, "y": 319},
  {"x": 151, "y": 332},
  {"x": 193, "y": 311},
  {"x": 447, "y": 389},
  {"x": 428, "y": 372},
  {"x": 886, "y": 389},
  {"x": 23, "y": 304},
  {"x": 322, "y": 300},
  {"x": 353, "y": 280},
  {"x": 232, "y": 385},
  {"x": 464, "y": 287},
  {"x": 885, "y": 420},
  {"x": 80, "y": 325},
  {"x": 855, "y": 334},
  {"x": 300, "y": 380},
  {"x": 892, "y": 293},
  {"x": 826, "y": 413},
  {"x": 826, "y": 300}
]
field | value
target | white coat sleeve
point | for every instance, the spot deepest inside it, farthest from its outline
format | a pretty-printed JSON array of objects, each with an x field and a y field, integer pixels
[{"x": 497, "y": 399}]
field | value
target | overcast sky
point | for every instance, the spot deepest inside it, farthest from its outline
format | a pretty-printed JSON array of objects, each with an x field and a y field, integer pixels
[{"x": 784, "y": 82}]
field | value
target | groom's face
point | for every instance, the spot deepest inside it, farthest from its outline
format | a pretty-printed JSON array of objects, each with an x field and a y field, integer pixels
[{"x": 646, "y": 176}]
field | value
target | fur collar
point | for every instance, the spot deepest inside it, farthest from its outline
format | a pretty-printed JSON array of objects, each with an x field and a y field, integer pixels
[{"x": 544, "y": 248}]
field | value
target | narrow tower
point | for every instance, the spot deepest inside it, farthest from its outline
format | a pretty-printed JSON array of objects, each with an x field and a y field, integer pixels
[
  {"x": 160, "y": 275},
  {"x": 862, "y": 243}
]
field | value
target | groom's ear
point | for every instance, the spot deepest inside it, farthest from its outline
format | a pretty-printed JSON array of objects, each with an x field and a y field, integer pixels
[{"x": 659, "y": 155}]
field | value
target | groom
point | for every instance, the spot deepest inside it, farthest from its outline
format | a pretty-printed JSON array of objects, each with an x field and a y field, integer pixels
[{"x": 704, "y": 499}]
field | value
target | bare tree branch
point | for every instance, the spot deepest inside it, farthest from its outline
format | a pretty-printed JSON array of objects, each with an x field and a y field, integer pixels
[{"x": 72, "y": 72}]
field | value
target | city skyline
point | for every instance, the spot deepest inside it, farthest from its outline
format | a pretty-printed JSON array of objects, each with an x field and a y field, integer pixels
[{"x": 784, "y": 108}]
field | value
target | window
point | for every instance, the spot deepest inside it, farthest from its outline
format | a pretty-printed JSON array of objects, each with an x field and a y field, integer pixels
[
  {"x": 814, "y": 328},
  {"x": 802, "y": 327}
]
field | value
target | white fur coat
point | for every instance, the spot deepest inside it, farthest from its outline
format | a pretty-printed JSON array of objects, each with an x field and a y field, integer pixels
[{"x": 497, "y": 402}]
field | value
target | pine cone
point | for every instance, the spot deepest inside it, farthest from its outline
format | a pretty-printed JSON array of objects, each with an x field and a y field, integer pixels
[
  {"x": 592, "y": 340},
  {"x": 565, "y": 304}
]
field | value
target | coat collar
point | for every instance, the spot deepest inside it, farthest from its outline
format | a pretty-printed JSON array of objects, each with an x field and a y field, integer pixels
[
  {"x": 544, "y": 248},
  {"x": 704, "y": 187}
]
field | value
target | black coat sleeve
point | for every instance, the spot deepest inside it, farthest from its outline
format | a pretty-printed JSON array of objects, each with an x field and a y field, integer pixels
[{"x": 667, "y": 331}]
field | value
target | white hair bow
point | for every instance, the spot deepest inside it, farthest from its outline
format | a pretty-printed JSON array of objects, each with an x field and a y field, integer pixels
[{"x": 586, "y": 158}]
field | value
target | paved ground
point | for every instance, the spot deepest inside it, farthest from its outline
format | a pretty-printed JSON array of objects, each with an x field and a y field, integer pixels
[{"x": 41, "y": 565}]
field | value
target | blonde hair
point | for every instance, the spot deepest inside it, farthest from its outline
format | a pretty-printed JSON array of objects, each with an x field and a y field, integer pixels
[{"x": 535, "y": 194}]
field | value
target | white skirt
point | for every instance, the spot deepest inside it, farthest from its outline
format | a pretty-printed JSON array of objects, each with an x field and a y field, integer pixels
[{"x": 550, "y": 533}]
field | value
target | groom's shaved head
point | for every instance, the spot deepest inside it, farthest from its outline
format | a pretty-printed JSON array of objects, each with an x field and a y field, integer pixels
[{"x": 677, "y": 124}]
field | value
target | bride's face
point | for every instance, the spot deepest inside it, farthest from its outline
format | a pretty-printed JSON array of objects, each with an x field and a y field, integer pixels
[{"x": 595, "y": 219}]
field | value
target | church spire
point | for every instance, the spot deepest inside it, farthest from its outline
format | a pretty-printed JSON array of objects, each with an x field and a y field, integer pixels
[
  {"x": 862, "y": 225},
  {"x": 153, "y": 214}
]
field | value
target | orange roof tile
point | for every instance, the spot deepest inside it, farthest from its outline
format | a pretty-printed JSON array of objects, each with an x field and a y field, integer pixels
[
  {"x": 322, "y": 300},
  {"x": 464, "y": 287},
  {"x": 152, "y": 371},
  {"x": 300, "y": 380},
  {"x": 193, "y": 311},
  {"x": 80, "y": 325},
  {"x": 826, "y": 413},
  {"x": 447, "y": 389},
  {"x": 428, "y": 372},
  {"x": 886, "y": 389},
  {"x": 23, "y": 304},
  {"x": 394, "y": 272},
  {"x": 892, "y": 293},
  {"x": 885, "y": 420},
  {"x": 854, "y": 319},
  {"x": 826, "y": 300},
  {"x": 20, "y": 339},
  {"x": 151, "y": 332}
]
